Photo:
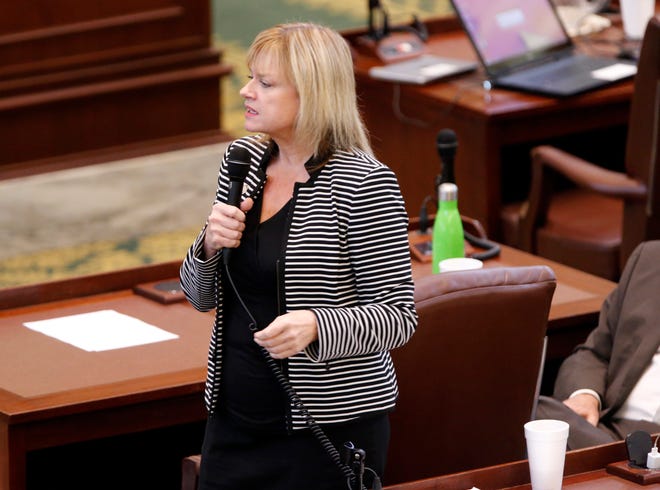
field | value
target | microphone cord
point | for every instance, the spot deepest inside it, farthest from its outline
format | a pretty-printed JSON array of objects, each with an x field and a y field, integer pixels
[{"x": 314, "y": 427}]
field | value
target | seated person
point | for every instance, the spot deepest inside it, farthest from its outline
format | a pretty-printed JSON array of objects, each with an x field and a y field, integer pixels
[{"x": 610, "y": 385}]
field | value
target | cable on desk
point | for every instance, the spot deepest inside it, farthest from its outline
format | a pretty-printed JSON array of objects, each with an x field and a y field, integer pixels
[{"x": 396, "y": 105}]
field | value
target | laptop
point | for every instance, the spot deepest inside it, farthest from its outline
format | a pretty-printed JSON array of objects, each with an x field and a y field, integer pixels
[
  {"x": 423, "y": 69},
  {"x": 522, "y": 45}
]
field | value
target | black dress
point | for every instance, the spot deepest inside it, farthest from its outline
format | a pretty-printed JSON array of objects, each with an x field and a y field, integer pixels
[{"x": 247, "y": 443}]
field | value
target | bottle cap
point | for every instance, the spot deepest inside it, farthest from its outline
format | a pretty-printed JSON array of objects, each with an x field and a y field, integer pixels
[{"x": 448, "y": 191}]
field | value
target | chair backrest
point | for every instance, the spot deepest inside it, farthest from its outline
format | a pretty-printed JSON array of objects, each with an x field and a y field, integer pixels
[
  {"x": 468, "y": 377},
  {"x": 641, "y": 221},
  {"x": 190, "y": 472}
]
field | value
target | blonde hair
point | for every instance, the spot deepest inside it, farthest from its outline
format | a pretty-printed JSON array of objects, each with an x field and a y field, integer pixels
[{"x": 317, "y": 61}]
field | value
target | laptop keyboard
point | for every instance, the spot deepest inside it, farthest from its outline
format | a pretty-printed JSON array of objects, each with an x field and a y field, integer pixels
[{"x": 560, "y": 70}]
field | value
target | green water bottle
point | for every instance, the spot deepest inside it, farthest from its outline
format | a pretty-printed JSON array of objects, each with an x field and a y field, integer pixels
[{"x": 447, "y": 240}]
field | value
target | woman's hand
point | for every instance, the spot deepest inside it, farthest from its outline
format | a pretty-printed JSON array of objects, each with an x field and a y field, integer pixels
[
  {"x": 225, "y": 226},
  {"x": 288, "y": 334}
]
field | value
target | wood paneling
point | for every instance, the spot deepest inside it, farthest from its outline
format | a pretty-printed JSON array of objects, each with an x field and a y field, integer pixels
[{"x": 79, "y": 77}]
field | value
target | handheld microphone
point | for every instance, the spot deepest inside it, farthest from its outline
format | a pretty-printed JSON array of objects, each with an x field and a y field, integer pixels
[
  {"x": 446, "y": 144},
  {"x": 238, "y": 163}
]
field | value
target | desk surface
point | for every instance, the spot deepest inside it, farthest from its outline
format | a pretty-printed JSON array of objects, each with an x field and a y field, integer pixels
[
  {"x": 495, "y": 128},
  {"x": 578, "y": 296},
  {"x": 55, "y": 374},
  {"x": 467, "y": 92}
]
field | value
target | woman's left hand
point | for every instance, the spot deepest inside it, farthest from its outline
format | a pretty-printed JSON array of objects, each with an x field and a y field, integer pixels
[{"x": 288, "y": 334}]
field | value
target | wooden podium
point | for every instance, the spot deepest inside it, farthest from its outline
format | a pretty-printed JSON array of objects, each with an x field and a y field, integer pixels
[{"x": 85, "y": 81}]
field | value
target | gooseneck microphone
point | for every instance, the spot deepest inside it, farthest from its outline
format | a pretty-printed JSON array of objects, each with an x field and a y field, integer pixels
[
  {"x": 446, "y": 144},
  {"x": 238, "y": 164}
]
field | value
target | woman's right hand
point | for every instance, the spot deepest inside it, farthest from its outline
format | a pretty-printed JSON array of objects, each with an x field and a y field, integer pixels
[{"x": 225, "y": 226}]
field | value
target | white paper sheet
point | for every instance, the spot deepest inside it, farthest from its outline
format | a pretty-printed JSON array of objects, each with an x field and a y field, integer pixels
[
  {"x": 100, "y": 330},
  {"x": 614, "y": 72}
]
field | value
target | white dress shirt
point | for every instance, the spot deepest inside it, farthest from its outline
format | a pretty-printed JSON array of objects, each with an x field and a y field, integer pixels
[{"x": 643, "y": 403}]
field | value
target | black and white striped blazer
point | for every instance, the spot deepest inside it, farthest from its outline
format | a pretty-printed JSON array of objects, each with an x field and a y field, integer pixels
[{"x": 346, "y": 258}]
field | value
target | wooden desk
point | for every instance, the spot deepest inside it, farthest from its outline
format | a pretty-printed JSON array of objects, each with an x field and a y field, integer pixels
[
  {"x": 54, "y": 394},
  {"x": 584, "y": 469},
  {"x": 495, "y": 129}
]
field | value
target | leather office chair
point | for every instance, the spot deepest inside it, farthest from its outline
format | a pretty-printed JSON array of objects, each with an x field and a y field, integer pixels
[
  {"x": 595, "y": 223},
  {"x": 468, "y": 378},
  {"x": 190, "y": 472}
]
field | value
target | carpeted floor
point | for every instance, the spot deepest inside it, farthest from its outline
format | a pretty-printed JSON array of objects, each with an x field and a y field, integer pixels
[
  {"x": 145, "y": 210},
  {"x": 105, "y": 217}
]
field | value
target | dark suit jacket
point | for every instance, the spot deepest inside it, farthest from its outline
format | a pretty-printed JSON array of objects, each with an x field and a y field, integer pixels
[{"x": 617, "y": 351}]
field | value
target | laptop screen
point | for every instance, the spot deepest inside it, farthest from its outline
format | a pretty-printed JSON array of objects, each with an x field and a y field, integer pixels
[{"x": 506, "y": 32}]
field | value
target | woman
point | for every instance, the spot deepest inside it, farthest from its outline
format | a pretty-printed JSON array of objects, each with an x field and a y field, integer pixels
[{"x": 318, "y": 288}]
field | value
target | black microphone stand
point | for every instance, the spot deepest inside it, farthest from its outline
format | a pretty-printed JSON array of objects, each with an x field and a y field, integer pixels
[
  {"x": 377, "y": 33},
  {"x": 446, "y": 147}
]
